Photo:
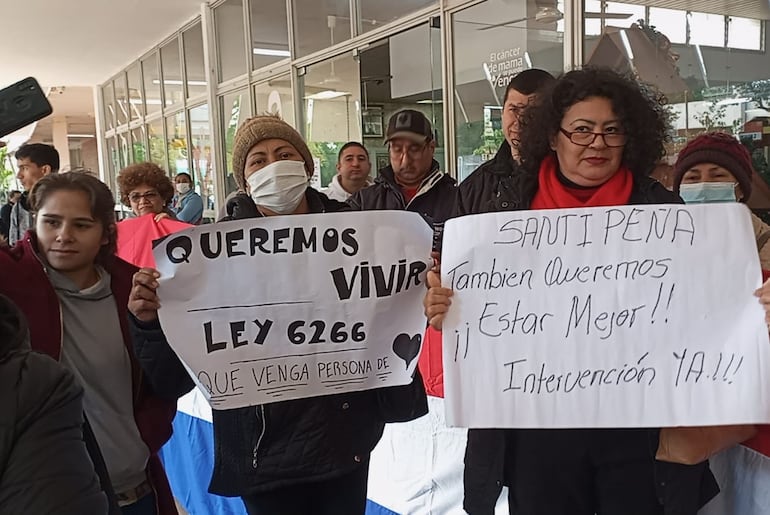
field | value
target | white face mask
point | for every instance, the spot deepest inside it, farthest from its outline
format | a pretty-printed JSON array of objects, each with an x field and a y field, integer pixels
[
  {"x": 182, "y": 187},
  {"x": 280, "y": 186}
]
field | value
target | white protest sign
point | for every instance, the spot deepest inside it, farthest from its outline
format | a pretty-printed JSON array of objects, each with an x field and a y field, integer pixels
[
  {"x": 634, "y": 316},
  {"x": 279, "y": 308}
]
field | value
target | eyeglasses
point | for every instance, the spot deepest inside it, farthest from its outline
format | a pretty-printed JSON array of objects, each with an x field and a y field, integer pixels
[
  {"x": 413, "y": 151},
  {"x": 586, "y": 139},
  {"x": 149, "y": 195}
]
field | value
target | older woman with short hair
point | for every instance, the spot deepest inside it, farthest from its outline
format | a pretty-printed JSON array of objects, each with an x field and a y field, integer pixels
[{"x": 146, "y": 189}]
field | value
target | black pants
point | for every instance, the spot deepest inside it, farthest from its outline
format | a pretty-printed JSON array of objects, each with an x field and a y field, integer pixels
[
  {"x": 344, "y": 495},
  {"x": 593, "y": 471}
]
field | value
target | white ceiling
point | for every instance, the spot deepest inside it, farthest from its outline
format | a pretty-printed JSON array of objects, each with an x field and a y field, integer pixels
[{"x": 83, "y": 42}]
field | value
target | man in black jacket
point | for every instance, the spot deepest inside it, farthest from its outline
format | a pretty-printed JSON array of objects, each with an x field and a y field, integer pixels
[
  {"x": 412, "y": 181},
  {"x": 488, "y": 188}
]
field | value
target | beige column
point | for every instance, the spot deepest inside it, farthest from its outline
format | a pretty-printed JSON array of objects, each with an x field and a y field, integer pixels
[{"x": 61, "y": 142}]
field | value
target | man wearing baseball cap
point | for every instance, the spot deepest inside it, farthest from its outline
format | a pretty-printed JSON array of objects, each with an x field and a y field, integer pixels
[{"x": 413, "y": 181}]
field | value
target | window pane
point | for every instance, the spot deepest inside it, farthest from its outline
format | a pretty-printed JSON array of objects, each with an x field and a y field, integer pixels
[
  {"x": 593, "y": 26},
  {"x": 670, "y": 22},
  {"x": 613, "y": 9},
  {"x": 274, "y": 96},
  {"x": 135, "y": 104},
  {"x": 707, "y": 29},
  {"x": 172, "y": 72},
  {"x": 318, "y": 25},
  {"x": 113, "y": 156},
  {"x": 269, "y": 32},
  {"x": 201, "y": 142},
  {"x": 139, "y": 145},
  {"x": 121, "y": 100},
  {"x": 151, "y": 84},
  {"x": 108, "y": 95},
  {"x": 375, "y": 13},
  {"x": 176, "y": 132},
  {"x": 157, "y": 143},
  {"x": 483, "y": 70},
  {"x": 331, "y": 98},
  {"x": 230, "y": 35},
  {"x": 235, "y": 109},
  {"x": 192, "y": 39},
  {"x": 744, "y": 33}
]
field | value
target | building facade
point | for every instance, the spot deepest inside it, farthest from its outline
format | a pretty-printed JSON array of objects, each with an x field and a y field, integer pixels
[{"x": 337, "y": 69}]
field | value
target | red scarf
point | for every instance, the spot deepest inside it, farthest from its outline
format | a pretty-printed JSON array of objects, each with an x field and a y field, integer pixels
[{"x": 552, "y": 194}]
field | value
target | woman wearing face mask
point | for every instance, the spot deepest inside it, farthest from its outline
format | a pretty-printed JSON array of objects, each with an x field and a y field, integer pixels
[
  {"x": 590, "y": 140},
  {"x": 716, "y": 167},
  {"x": 298, "y": 457},
  {"x": 186, "y": 204}
]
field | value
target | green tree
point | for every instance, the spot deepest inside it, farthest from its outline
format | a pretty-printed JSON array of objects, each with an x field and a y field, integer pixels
[{"x": 6, "y": 172}]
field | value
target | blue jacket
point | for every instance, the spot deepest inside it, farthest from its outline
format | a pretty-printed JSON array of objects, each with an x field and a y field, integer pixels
[{"x": 188, "y": 208}]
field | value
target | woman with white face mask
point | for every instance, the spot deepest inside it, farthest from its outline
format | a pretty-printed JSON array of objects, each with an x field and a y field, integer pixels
[
  {"x": 716, "y": 167},
  {"x": 187, "y": 204},
  {"x": 298, "y": 457}
]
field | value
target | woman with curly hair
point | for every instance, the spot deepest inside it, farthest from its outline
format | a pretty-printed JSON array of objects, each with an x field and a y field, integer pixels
[
  {"x": 590, "y": 140},
  {"x": 146, "y": 189}
]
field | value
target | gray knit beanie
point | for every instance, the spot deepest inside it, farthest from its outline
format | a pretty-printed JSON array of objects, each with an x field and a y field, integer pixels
[{"x": 260, "y": 128}]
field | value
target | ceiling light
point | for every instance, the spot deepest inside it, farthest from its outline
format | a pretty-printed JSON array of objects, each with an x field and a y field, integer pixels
[
  {"x": 174, "y": 82},
  {"x": 429, "y": 101},
  {"x": 80, "y": 135},
  {"x": 271, "y": 52},
  {"x": 327, "y": 95}
]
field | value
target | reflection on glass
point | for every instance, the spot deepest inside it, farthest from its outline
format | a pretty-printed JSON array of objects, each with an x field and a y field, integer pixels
[
  {"x": 484, "y": 68},
  {"x": 330, "y": 90},
  {"x": 375, "y": 13},
  {"x": 172, "y": 72},
  {"x": 121, "y": 100},
  {"x": 113, "y": 155},
  {"x": 230, "y": 34},
  {"x": 192, "y": 39},
  {"x": 176, "y": 132},
  {"x": 139, "y": 144},
  {"x": 274, "y": 97},
  {"x": 108, "y": 97},
  {"x": 235, "y": 108},
  {"x": 151, "y": 84},
  {"x": 157, "y": 143},
  {"x": 319, "y": 25},
  {"x": 201, "y": 144},
  {"x": 707, "y": 87},
  {"x": 135, "y": 104},
  {"x": 124, "y": 151},
  {"x": 269, "y": 32}
]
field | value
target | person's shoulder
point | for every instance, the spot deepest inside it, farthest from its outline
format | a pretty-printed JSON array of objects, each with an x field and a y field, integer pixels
[{"x": 653, "y": 192}]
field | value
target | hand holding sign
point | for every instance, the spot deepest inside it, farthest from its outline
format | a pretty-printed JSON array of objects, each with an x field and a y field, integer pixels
[
  {"x": 143, "y": 302},
  {"x": 437, "y": 300},
  {"x": 282, "y": 308}
]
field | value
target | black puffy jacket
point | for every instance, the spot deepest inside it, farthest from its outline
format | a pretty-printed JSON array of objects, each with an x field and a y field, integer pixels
[
  {"x": 490, "y": 187},
  {"x": 495, "y": 189},
  {"x": 434, "y": 200},
  {"x": 44, "y": 465},
  {"x": 265, "y": 447}
]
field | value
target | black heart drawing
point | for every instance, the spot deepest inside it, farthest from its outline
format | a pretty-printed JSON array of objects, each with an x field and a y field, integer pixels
[{"x": 407, "y": 347}]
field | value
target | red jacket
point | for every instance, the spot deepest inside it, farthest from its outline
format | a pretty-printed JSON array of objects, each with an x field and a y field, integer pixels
[{"x": 25, "y": 281}]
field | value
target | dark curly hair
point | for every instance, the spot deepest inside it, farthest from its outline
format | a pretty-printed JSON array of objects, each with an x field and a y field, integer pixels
[
  {"x": 150, "y": 174},
  {"x": 99, "y": 197},
  {"x": 639, "y": 107}
]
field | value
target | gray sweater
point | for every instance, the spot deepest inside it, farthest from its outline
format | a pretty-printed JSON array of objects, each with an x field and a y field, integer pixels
[{"x": 94, "y": 350}]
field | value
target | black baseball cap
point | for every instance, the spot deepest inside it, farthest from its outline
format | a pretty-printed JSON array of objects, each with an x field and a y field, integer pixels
[{"x": 411, "y": 125}]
